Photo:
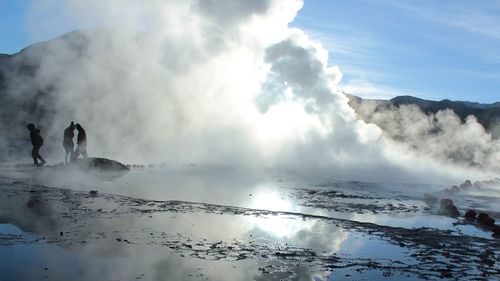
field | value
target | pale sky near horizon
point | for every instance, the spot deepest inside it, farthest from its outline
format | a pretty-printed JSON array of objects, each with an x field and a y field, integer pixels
[{"x": 429, "y": 49}]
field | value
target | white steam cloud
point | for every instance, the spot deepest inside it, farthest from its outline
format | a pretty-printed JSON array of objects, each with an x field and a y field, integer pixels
[
  {"x": 205, "y": 81},
  {"x": 441, "y": 135}
]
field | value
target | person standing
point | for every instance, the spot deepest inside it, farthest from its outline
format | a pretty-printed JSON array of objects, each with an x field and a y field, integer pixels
[
  {"x": 37, "y": 142},
  {"x": 81, "y": 141},
  {"x": 68, "y": 144}
]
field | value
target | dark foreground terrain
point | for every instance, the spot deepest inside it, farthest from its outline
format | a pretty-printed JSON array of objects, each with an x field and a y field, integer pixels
[{"x": 205, "y": 224}]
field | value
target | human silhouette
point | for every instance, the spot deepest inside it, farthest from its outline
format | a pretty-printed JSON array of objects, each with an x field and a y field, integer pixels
[
  {"x": 37, "y": 142},
  {"x": 68, "y": 144},
  {"x": 81, "y": 141}
]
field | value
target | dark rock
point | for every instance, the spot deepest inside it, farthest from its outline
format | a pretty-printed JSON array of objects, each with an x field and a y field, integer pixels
[
  {"x": 485, "y": 219},
  {"x": 101, "y": 164},
  {"x": 496, "y": 230},
  {"x": 447, "y": 208},
  {"x": 470, "y": 215},
  {"x": 486, "y": 258},
  {"x": 32, "y": 202},
  {"x": 445, "y": 273},
  {"x": 455, "y": 188},
  {"x": 93, "y": 192}
]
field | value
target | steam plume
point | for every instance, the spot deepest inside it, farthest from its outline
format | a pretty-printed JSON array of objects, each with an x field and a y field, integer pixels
[{"x": 213, "y": 82}]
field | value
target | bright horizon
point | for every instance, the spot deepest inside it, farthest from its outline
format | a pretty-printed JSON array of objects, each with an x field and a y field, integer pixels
[{"x": 431, "y": 50}]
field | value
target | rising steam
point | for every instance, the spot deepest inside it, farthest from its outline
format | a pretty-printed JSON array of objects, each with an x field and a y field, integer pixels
[{"x": 210, "y": 82}]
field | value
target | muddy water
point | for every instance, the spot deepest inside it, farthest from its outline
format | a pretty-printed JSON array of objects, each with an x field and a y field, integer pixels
[{"x": 190, "y": 223}]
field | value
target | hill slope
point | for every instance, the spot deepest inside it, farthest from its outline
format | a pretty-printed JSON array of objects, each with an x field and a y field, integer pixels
[
  {"x": 487, "y": 115},
  {"x": 28, "y": 92}
]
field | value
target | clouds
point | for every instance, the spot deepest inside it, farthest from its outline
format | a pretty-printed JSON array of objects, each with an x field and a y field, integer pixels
[
  {"x": 410, "y": 48},
  {"x": 472, "y": 16},
  {"x": 300, "y": 69},
  {"x": 230, "y": 13}
]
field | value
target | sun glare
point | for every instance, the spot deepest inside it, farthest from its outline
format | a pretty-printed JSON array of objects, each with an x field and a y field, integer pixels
[
  {"x": 278, "y": 225},
  {"x": 270, "y": 200},
  {"x": 285, "y": 121}
]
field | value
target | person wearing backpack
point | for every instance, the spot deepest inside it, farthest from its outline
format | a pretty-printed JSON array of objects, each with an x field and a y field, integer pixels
[{"x": 37, "y": 142}]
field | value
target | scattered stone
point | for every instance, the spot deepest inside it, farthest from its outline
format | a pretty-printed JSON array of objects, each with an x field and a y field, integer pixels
[
  {"x": 445, "y": 273},
  {"x": 470, "y": 215},
  {"x": 486, "y": 258},
  {"x": 93, "y": 192},
  {"x": 485, "y": 219},
  {"x": 448, "y": 208},
  {"x": 496, "y": 230}
]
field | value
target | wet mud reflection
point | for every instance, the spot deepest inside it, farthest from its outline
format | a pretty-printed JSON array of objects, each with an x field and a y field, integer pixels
[{"x": 120, "y": 237}]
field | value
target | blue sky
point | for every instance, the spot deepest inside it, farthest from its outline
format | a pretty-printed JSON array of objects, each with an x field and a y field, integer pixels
[
  {"x": 427, "y": 48},
  {"x": 13, "y": 34}
]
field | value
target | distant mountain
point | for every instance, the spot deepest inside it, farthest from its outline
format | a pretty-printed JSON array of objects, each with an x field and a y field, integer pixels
[
  {"x": 23, "y": 97},
  {"x": 29, "y": 93},
  {"x": 487, "y": 115}
]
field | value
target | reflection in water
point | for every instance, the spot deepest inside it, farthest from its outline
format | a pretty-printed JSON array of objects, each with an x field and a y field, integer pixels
[
  {"x": 237, "y": 227},
  {"x": 268, "y": 198}
]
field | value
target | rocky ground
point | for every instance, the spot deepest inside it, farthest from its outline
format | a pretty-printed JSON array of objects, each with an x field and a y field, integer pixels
[{"x": 98, "y": 224}]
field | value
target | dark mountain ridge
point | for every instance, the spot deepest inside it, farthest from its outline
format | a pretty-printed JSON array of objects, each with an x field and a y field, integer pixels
[
  {"x": 487, "y": 115},
  {"x": 23, "y": 99},
  {"x": 28, "y": 93}
]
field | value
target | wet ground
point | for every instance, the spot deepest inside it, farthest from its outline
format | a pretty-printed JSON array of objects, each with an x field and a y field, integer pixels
[{"x": 192, "y": 223}]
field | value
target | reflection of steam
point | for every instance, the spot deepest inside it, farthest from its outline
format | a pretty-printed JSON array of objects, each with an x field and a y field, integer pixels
[
  {"x": 138, "y": 224},
  {"x": 306, "y": 233},
  {"x": 270, "y": 199},
  {"x": 37, "y": 212}
]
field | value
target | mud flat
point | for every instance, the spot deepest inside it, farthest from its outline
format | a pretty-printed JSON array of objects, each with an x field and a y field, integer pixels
[{"x": 328, "y": 231}]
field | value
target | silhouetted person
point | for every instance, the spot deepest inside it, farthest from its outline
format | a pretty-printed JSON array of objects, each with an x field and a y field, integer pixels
[
  {"x": 37, "y": 142},
  {"x": 81, "y": 141},
  {"x": 68, "y": 144}
]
